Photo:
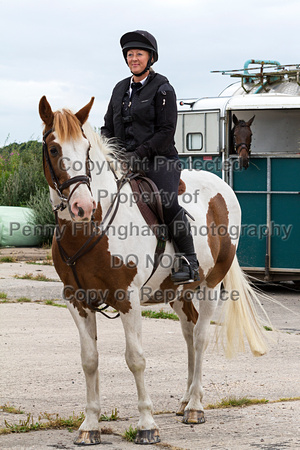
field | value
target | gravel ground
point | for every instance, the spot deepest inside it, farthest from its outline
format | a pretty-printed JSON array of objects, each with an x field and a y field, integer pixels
[{"x": 41, "y": 372}]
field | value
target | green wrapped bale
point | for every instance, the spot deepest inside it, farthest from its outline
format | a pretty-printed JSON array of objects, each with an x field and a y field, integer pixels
[{"x": 17, "y": 229}]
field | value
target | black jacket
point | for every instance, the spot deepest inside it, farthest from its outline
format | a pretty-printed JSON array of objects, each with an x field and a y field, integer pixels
[{"x": 152, "y": 114}]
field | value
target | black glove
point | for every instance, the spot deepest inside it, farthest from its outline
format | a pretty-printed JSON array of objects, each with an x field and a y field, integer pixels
[{"x": 133, "y": 161}]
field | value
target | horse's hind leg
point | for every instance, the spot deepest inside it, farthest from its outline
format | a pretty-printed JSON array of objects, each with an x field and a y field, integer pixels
[
  {"x": 89, "y": 430},
  {"x": 132, "y": 321},
  {"x": 188, "y": 317},
  {"x": 208, "y": 299}
]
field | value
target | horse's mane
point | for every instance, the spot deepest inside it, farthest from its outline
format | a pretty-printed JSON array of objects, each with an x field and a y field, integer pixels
[
  {"x": 109, "y": 148},
  {"x": 66, "y": 125}
]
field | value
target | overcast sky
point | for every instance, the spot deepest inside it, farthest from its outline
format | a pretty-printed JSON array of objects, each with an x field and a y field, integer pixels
[{"x": 69, "y": 50}]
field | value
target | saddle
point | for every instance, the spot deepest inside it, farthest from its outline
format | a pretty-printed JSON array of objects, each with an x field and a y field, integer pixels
[{"x": 148, "y": 200}]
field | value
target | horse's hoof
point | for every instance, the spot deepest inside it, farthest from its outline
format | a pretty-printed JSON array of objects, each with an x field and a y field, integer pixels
[
  {"x": 193, "y": 416},
  {"x": 180, "y": 411},
  {"x": 88, "y": 438},
  {"x": 147, "y": 437}
]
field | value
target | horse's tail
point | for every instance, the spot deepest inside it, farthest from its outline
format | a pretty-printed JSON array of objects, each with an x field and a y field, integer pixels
[{"x": 239, "y": 316}]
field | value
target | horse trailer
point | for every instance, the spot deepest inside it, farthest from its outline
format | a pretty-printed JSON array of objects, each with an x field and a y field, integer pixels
[{"x": 269, "y": 188}]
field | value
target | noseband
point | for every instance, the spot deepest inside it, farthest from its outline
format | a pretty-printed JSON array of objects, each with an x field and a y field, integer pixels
[
  {"x": 60, "y": 187},
  {"x": 238, "y": 148}
]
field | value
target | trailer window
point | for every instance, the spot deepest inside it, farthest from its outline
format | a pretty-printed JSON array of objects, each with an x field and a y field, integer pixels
[
  {"x": 194, "y": 141},
  {"x": 198, "y": 131}
]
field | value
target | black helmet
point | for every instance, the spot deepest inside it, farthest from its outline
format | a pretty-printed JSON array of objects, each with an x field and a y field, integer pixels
[{"x": 139, "y": 39}]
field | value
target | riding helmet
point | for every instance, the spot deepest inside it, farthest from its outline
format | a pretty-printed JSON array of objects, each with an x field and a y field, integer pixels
[{"x": 139, "y": 39}]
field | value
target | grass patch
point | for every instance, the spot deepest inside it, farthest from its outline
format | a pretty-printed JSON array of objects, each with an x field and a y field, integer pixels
[
  {"x": 3, "y": 295},
  {"x": 7, "y": 259},
  {"x": 105, "y": 418},
  {"x": 30, "y": 276},
  {"x": 10, "y": 409},
  {"x": 286, "y": 399},
  {"x": 43, "y": 263},
  {"x": 52, "y": 303},
  {"x": 23, "y": 300},
  {"x": 130, "y": 434},
  {"x": 159, "y": 315},
  {"x": 233, "y": 402},
  {"x": 45, "y": 422},
  {"x": 268, "y": 328}
]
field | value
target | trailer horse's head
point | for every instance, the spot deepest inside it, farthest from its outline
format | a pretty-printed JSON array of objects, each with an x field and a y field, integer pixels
[{"x": 242, "y": 136}]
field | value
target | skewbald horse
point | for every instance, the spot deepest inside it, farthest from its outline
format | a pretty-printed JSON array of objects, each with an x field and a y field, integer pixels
[{"x": 89, "y": 260}]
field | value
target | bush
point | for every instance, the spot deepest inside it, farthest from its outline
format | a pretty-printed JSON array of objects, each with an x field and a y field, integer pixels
[
  {"x": 21, "y": 173},
  {"x": 43, "y": 214},
  {"x": 22, "y": 183}
]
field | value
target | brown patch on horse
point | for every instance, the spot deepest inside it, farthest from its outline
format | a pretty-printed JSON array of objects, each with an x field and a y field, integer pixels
[
  {"x": 181, "y": 187},
  {"x": 186, "y": 295},
  {"x": 57, "y": 163},
  {"x": 219, "y": 240},
  {"x": 98, "y": 271}
]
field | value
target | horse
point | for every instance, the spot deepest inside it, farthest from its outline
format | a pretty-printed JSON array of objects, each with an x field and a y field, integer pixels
[
  {"x": 241, "y": 136},
  {"x": 99, "y": 267}
]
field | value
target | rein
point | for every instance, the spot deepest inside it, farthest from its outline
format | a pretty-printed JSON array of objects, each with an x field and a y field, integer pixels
[{"x": 93, "y": 240}]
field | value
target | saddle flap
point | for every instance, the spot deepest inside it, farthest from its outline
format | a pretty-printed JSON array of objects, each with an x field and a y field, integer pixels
[{"x": 148, "y": 200}]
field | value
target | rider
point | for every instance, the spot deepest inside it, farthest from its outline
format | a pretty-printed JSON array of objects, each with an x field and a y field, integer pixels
[{"x": 142, "y": 114}]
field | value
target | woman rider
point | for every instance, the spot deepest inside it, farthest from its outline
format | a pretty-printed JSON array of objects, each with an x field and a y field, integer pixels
[{"x": 142, "y": 114}]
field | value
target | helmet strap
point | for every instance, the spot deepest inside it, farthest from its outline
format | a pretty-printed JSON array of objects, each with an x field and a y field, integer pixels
[{"x": 149, "y": 64}]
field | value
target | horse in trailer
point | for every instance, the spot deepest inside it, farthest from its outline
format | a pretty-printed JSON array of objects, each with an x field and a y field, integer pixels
[
  {"x": 97, "y": 268},
  {"x": 241, "y": 137}
]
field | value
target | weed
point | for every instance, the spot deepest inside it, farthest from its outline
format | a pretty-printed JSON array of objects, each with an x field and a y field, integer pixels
[
  {"x": 113, "y": 416},
  {"x": 7, "y": 259},
  {"x": 268, "y": 328},
  {"x": 10, "y": 409},
  {"x": 130, "y": 434},
  {"x": 23, "y": 300},
  {"x": 30, "y": 276},
  {"x": 286, "y": 399},
  {"x": 159, "y": 315},
  {"x": 43, "y": 263},
  {"x": 52, "y": 303},
  {"x": 53, "y": 421},
  {"x": 3, "y": 295},
  {"x": 232, "y": 402}
]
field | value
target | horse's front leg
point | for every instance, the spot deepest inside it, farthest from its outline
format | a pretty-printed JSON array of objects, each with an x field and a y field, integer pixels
[
  {"x": 89, "y": 432},
  {"x": 194, "y": 411},
  {"x": 132, "y": 322}
]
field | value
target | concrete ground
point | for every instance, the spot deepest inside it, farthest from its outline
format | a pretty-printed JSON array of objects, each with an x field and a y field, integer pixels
[{"x": 41, "y": 372}]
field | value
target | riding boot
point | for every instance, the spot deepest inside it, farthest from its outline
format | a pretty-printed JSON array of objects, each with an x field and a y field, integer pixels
[{"x": 180, "y": 230}]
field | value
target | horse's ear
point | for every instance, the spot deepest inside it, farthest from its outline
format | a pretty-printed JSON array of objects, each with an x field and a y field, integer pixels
[
  {"x": 84, "y": 112},
  {"x": 249, "y": 123},
  {"x": 235, "y": 119},
  {"x": 45, "y": 111}
]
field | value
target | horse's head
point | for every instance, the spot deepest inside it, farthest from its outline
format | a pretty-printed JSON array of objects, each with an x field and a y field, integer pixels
[
  {"x": 242, "y": 136},
  {"x": 66, "y": 160}
]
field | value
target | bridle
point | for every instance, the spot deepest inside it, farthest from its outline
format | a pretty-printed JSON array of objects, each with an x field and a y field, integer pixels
[
  {"x": 60, "y": 187},
  {"x": 98, "y": 231},
  {"x": 238, "y": 148}
]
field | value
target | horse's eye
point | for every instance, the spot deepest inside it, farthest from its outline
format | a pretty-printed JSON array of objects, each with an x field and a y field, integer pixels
[{"x": 53, "y": 151}]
